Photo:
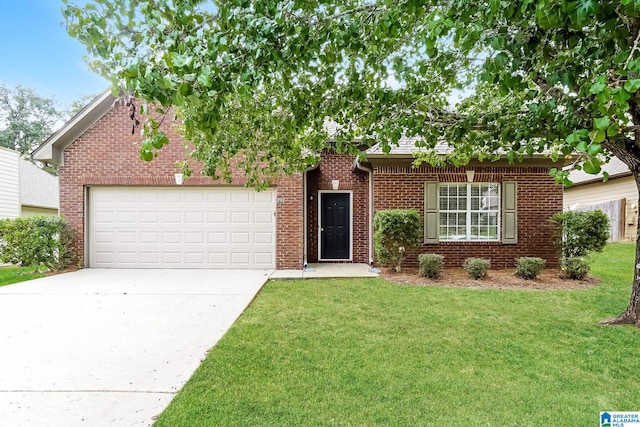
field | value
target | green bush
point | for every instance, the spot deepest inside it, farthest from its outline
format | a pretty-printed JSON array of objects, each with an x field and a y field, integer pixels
[
  {"x": 477, "y": 267},
  {"x": 529, "y": 267},
  {"x": 580, "y": 233},
  {"x": 575, "y": 268},
  {"x": 36, "y": 241},
  {"x": 396, "y": 231},
  {"x": 430, "y": 265}
]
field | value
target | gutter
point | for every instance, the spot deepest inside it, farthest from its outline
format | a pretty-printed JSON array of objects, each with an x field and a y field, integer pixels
[
  {"x": 600, "y": 179},
  {"x": 358, "y": 165}
]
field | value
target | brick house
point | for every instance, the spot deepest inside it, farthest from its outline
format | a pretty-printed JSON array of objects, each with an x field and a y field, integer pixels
[{"x": 127, "y": 213}]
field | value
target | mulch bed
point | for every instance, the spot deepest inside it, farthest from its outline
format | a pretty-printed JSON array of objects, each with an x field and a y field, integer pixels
[{"x": 496, "y": 279}]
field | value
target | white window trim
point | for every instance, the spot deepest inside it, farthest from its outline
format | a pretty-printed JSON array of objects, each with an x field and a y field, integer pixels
[
  {"x": 350, "y": 192},
  {"x": 469, "y": 211}
]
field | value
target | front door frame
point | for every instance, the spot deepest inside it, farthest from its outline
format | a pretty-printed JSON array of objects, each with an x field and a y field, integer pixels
[{"x": 350, "y": 192}]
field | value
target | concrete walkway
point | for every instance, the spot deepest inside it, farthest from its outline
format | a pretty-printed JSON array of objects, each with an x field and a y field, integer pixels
[
  {"x": 111, "y": 347},
  {"x": 327, "y": 270}
]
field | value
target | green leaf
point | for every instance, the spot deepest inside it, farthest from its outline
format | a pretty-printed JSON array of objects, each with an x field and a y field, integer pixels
[
  {"x": 596, "y": 88},
  {"x": 597, "y": 135},
  {"x": 146, "y": 155},
  {"x": 594, "y": 149},
  {"x": 498, "y": 43},
  {"x": 634, "y": 65},
  {"x": 632, "y": 85},
  {"x": 582, "y": 146},
  {"x": 501, "y": 60},
  {"x": 592, "y": 166},
  {"x": 602, "y": 123},
  {"x": 573, "y": 138},
  {"x": 613, "y": 130}
]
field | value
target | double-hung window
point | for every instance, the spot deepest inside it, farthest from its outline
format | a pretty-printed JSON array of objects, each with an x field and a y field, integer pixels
[{"x": 469, "y": 211}]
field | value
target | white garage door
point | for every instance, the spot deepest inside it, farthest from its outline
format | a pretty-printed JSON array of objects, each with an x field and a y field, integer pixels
[{"x": 151, "y": 227}]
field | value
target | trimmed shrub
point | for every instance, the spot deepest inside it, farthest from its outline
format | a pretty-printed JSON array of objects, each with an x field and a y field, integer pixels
[
  {"x": 477, "y": 267},
  {"x": 575, "y": 268},
  {"x": 580, "y": 233},
  {"x": 529, "y": 267},
  {"x": 430, "y": 265},
  {"x": 396, "y": 231},
  {"x": 36, "y": 241}
]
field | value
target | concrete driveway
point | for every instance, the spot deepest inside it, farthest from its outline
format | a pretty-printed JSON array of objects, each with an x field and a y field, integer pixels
[{"x": 111, "y": 347}]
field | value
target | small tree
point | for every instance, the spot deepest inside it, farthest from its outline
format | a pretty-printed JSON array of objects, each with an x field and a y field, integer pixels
[
  {"x": 26, "y": 118},
  {"x": 396, "y": 231},
  {"x": 580, "y": 233},
  {"x": 36, "y": 241}
]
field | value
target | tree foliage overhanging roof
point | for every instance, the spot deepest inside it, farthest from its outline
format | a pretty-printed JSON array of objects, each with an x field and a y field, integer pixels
[{"x": 259, "y": 78}]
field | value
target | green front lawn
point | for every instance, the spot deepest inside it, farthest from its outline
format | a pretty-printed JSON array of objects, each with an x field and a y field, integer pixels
[
  {"x": 366, "y": 352},
  {"x": 11, "y": 275}
]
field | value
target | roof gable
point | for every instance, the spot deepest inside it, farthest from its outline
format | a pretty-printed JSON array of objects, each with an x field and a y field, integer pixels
[{"x": 52, "y": 149}]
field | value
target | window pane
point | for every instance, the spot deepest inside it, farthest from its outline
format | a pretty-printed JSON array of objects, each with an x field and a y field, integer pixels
[
  {"x": 475, "y": 203},
  {"x": 462, "y": 204},
  {"x": 493, "y": 233},
  {"x": 480, "y": 208}
]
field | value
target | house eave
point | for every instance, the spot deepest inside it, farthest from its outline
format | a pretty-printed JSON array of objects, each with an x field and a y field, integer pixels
[
  {"x": 52, "y": 149},
  {"x": 600, "y": 179},
  {"x": 408, "y": 159}
]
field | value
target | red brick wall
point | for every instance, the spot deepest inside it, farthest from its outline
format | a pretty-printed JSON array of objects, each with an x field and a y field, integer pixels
[
  {"x": 339, "y": 166},
  {"x": 289, "y": 231},
  {"x": 107, "y": 154},
  {"x": 538, "y": 198}
]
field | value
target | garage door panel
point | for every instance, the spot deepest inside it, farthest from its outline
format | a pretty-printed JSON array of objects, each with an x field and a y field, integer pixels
[
  {"x": 263, "y": 238},
  {"x": 181, "y": 228},
  {"x": 263, "y": 258},
  {"x": 218, "y": 258},
  {"x": 126, "y": 258},
  {"x": 126, "y": 237},
  {"x": 152, "y": 258}
]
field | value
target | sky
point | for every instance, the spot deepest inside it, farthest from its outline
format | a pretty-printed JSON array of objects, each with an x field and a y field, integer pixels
[{"x": 37, "y": 53}]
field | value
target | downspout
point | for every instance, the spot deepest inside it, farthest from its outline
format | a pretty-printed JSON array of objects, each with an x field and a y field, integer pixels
[{"x": 358, "y": 165}]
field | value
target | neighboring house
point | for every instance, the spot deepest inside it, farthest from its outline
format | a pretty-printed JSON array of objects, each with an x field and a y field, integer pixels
[
  {"x": 25, "y": 189},
  {"x": 131, "y": 214},
  {"x": 618, "y": 197}
]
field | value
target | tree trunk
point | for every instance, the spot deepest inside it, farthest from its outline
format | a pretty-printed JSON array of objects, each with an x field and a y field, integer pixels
[{"x": 631, "y": 315}]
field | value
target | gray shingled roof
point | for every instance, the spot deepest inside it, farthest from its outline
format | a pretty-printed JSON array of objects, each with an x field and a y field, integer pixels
[
  {"x": 614, "y": 168},
  {"x": 406, "y": 147}
]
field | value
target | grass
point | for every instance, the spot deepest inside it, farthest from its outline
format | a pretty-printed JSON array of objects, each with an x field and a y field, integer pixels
[
  {"x": 366, "y": 352},
  {"x": 11, "y": 275}
]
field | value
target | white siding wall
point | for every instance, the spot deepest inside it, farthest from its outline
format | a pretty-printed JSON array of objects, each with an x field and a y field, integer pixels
[
  {"x": 619, "y": 188},
  {"x": 38, "y": 188},
  {"x": 9, "y": 186}
]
